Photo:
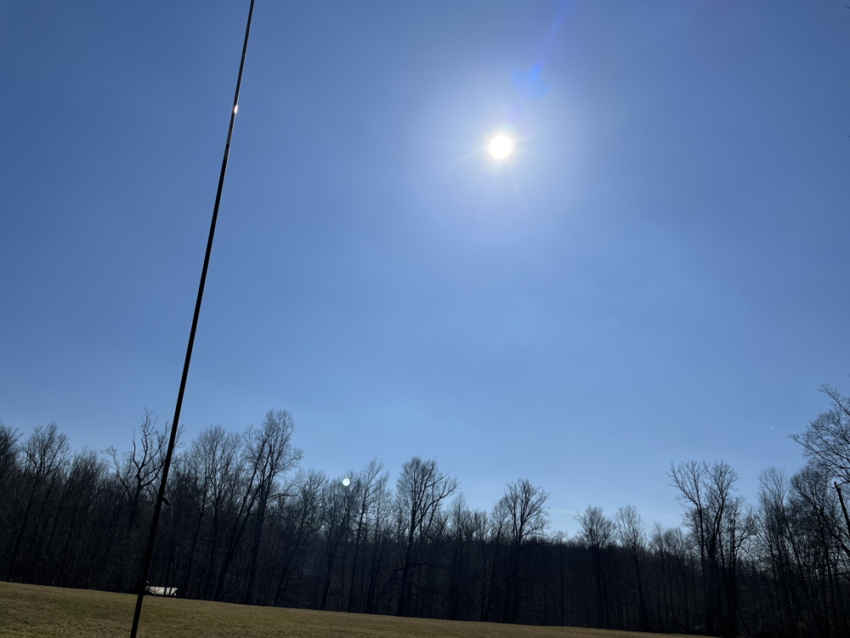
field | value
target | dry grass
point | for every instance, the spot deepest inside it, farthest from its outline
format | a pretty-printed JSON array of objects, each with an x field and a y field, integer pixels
[{"x": 30, "y": 611}]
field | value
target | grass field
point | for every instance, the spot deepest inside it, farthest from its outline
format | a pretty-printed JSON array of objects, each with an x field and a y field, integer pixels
[{"x": 30, "y": 611}]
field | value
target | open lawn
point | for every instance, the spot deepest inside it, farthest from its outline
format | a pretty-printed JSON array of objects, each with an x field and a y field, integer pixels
[{"x": 33, "y": 612}]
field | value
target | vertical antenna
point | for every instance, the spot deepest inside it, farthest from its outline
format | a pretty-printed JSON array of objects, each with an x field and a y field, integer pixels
[{"x": 146, "y": 563}]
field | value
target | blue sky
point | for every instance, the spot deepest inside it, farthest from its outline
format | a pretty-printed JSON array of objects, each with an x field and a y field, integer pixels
[{"x": 658, "y": 273}]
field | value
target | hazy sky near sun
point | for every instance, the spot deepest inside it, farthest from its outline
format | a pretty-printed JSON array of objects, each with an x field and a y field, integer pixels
[{"x": 658, "y": 273}]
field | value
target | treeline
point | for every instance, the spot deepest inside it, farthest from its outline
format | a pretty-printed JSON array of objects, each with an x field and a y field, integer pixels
[{"x": 243, "y": 523}]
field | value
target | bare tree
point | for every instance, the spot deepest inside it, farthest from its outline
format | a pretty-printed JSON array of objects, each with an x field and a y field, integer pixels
[
  {"x": 597, "y": 534},
  {"x": 826, "y": 442},
  {"x": 421, "y": 489},
  {"x": 85, "y": 481},
  {"x": 139, "y": 471},
  {"x": 688, "y": 478},
  {"x": 365, "y": 486},
  {"x": 213, "y": 462},
  {"x": 382, "y": 537},
  {"x": 706, "y": 495},
  {"x": 631, "y": 533},
  {"x": 493, "y": 535},
  {"x": 524, "y": 508},
  {"x": 460, "y": 524},
  {"x": 267, "y": 452},
  {"x": 269, "y": 448},
  {"x": 8, "y": 452},
  {"x": 816, "y": 545},
  {"x": 827, "y": 439},
  {"x": 304, "y": 514},
  {"x": 45, "y": 453},
  {"x": 337, "y": 505}
]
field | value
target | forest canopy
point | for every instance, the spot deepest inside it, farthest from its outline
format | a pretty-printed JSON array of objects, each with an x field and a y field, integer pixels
[{"x": 245, "y": 523}]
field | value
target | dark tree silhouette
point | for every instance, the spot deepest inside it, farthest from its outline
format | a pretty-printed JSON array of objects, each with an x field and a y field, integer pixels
[{"x": 242, "y": 524}]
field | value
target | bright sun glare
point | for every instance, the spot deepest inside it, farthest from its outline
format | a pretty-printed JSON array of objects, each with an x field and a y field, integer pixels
[{"x": 500, "y": 147}]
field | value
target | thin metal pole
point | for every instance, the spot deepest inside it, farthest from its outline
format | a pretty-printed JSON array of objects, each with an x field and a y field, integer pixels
[
  {"x": 146, "y": 563},
  {"x": 843, "y": 507}
]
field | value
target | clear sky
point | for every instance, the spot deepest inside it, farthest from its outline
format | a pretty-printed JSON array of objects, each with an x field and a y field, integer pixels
[{"x": 659, "y": 272}]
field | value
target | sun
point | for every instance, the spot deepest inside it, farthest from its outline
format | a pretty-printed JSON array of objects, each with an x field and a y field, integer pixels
[{"x": 500, "y": 147}]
